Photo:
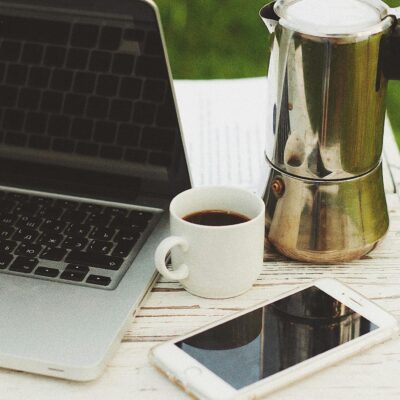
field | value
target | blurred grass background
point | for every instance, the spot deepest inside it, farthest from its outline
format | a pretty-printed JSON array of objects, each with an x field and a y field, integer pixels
[{"x": 210, "y": 39}]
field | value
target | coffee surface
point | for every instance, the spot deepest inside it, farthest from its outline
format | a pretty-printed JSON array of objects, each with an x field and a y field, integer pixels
[{"x": 216, "y": 218}]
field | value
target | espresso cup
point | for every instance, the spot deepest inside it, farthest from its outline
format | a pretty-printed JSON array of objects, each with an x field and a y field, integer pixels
[{"x": 214, "y": 261}]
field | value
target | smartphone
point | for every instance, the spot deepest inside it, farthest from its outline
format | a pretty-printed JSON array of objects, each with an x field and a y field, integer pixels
[{"x": 275, "y": 343}]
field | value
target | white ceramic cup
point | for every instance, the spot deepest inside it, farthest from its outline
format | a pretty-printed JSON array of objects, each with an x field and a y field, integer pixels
[{"x": 214, "y": 261}]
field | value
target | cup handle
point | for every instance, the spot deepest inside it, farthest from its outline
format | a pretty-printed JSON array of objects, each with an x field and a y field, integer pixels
[{"x": 161, "y": 253}]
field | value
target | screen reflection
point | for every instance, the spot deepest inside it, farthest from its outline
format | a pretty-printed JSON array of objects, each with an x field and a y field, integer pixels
[{"x": 275, "y": 337}]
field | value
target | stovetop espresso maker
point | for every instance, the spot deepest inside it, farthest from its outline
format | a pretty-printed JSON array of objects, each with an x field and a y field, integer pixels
[{"x": 329, "y": 66}]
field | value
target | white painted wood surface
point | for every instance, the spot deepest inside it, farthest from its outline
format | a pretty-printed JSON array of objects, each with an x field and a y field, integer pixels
[{"x": 170, "y": 311}]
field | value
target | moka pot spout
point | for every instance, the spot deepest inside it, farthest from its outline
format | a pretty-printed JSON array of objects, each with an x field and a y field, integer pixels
[{"x": 269, "y": 17}]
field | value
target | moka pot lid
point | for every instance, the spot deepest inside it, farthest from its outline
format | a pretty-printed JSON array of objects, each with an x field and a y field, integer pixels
[{"x": 332, "y": 17}]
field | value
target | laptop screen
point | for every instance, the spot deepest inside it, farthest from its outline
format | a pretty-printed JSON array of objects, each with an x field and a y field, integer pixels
[{"x": 86, "y": 105}]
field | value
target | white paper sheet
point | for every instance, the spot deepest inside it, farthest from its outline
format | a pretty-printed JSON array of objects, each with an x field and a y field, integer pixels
[{"x": 224, "y": 125}]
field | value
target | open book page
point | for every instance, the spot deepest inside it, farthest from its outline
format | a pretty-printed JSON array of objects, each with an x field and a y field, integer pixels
[{"x": 224, "y": 123}]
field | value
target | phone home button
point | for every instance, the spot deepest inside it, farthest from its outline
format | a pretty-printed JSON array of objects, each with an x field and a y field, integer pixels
[{"x": 193, "y": 372}]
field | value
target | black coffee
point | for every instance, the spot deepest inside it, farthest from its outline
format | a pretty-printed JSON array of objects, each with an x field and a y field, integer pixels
[{"x": 216, "y": 218}]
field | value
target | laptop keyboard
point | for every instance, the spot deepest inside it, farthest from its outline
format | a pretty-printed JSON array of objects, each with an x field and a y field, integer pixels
[
  {"x": 85, "y": 89},
  {"x": 77, "y": 242}
]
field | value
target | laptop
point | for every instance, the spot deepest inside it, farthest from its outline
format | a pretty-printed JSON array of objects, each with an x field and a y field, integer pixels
[{"x": 91, "y": 153}]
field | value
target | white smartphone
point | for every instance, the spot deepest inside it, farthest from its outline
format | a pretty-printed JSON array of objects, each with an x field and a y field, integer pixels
[{"x": 271, "y": 345}]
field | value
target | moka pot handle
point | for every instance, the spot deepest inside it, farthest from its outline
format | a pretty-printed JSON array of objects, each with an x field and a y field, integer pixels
[{"x": 390, "y": 49}]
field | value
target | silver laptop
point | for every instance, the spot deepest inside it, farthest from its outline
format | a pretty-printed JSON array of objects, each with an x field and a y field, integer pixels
[{"x": 91, "y": 154}]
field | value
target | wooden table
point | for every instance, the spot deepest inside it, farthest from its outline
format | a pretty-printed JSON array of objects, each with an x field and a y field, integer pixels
[{"x": 170, "y": 311}]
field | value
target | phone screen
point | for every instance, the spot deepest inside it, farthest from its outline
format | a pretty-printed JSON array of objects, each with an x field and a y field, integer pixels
[{"x": 277, "y": 336}]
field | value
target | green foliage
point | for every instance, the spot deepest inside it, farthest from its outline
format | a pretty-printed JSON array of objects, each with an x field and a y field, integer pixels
[
  {"x": 226, "y": 39},
  {"x": 394, "y": 94},
  {"x": 214, "y": 39}
]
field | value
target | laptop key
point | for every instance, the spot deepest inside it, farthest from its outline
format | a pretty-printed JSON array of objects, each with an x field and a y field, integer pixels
[
  {"x": 8, "y": 219},
  {"x": 45, "y": 271},
  {"x": 8, "y": 96},
  {"x": 36, "y": 30},
  {"x": 28, "y": 98},
  {"x": 115, "y": 211},
  {"x": 53, "y": 225},
  {"x": 100, "y": 61},
  {"x": 111, "y": 152},
  {"x": 77, "y": 229},
  {"x": 96, "y": 218},
  {"x": 87, "y": 149},
  {"x": 107, "y": 85},
  {"x": 97, "y": 107},
  {"x": 5, "y": 260},
  {"x": 144, "y": 113},
  {"x": 88, "y": 207},
  {"x": 102, "y": 233},
  {"x": 127, "y": 236},
  {"x": 77, "y": 58},
  {"x": 42, "y": 201},
  {"x": 128, "y": 224},
  {"x": 6, "y": 205},
  {"x": 6, "y": 232},
  {"x": 79, "y": 269},
  {"x": 50, "y": 212},
  {"x": 17, "y": 196},
  {"x": 39, "y": 77},
  {"x": 9, "y": 51},
  {"x": 16, "y": 139},
  {"x": 70, "y": 205},
  {"x": 74, "y": 243},
  {"x": 74, "y": 216},
  {"x": 63, "y": 145},
  {"x": 99, "y": 246},
  {"x": 50, "y": 239},
  {"x": 84, "y": 82},
  {"x": 24, "y": 264},
  {"x": 94, "y": 259},
  {"x": 54, "y": 56},
  {"x": 29, "y": 222},
  {"x": 72, "y": 276},
  {"x": 140, "y": 215},
  {"x": 32, "y": 53},
  {"x": 53, "y": 254},
  {"x": 7, "y": 246},
  {"x": 39, "y": 142},
  {"x": 25, "y": 235},
  {"x": 130, "y": 88},
  {"x": 110, "y": 38},
  {"x": 84, "y": 35},
  {"x": 154, "y": 90},
  {"x": 74, "y": 104},
  {"x": 123, "y": 64},
  {"x": 26, "y": 209},
  {"x": 28, "y": 250},
  {"x": 98, "y": 280},
  {"x": 151, "y": 67},
  {"x": 123, "y": 248}
]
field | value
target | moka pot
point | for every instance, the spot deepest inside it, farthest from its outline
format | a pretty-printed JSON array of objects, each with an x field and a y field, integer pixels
[{"x": 329, "y": 66}]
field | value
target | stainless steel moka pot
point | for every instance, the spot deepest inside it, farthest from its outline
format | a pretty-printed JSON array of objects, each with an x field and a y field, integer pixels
[{"x": 329, "y": 65}]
